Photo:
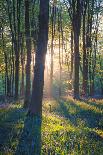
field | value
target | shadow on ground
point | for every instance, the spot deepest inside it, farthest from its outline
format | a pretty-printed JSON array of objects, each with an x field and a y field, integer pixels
[
  {"x": 9, "y": 119},
  {"x": 76, "y": 113}
]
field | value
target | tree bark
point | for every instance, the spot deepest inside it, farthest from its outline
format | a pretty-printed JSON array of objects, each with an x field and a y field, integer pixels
[
  {"x": 85, "y": 61},
  {"x": 22, "y": 64},
  {"x": 76, "y": 66},
  {"x": 28, "y": 48},
  {"x": 52, "y": 50},
  {"x": 60, "y": 61},
  {"x": 38, "y": 82},
  {"x": 72, "y": 54},
  {"x": 76, "y": 23},
  {"x": 30, "y": 141}
]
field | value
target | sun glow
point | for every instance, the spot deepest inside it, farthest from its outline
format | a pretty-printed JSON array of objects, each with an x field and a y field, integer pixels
[{"x": 48, "y": 60}]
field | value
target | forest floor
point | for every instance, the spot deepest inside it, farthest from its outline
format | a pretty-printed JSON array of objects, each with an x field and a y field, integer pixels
[{"x": 69, "y": 127}]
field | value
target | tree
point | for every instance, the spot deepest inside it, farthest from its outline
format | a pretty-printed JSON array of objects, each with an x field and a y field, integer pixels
[
  {"x": 38, "y": 81},
  {"x": 52, "y": 44},
  {"x": 28, "y": 48},
  {"x": 85, "y": 61},
  {"x": 76, "y": 24},
  {"x": 30, "y": 141}
]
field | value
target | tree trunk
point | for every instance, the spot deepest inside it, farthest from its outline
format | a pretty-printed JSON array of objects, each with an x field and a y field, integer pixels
[
  {"x": 85, "y": 73},
  {"x": 30, "y": 141},
  {"x": 16, "y": 52},
  {"x": 60, "y": 65},
  {"x": 28, "y": 47},
  {"x": 38, "y": 82},
  {"x": 76, "y": 65},
  {"x": 52, "y": 51},
  {"x": 7, "y": 83},
  {"x": 72, "y": 54},
  {"x": 22, "y": 64},
  {"x": 76, "y": 23}
]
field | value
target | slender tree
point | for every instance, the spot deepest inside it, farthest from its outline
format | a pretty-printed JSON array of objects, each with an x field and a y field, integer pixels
[
  {"x": 52, "y": 47},
  {"x": 60, "y": 63},
  {"x": 28, "y": 48},
  {"x": 85, "y": 75},
  {"x": 76, "y": 23}
]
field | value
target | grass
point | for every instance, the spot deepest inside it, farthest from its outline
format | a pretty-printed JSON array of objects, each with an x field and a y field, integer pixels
[{"x": 69, "y": 127}]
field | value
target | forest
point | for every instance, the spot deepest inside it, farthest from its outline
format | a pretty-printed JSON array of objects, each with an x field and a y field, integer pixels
[{"x": 51, "y": 77}]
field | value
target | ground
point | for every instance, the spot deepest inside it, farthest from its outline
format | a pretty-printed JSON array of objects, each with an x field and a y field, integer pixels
[{"x": 69, "y": 127}]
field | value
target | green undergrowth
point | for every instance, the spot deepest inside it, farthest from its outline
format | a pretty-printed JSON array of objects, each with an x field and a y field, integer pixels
[{"x": 69, "y": 127}]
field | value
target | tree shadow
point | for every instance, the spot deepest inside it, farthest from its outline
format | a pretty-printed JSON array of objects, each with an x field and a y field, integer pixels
[
  {"x": 30, "y": 139},
  {"x": 90, "y": 117},
  {"x": 100, "y": 106},
  {"x": 8, "y": 120}
]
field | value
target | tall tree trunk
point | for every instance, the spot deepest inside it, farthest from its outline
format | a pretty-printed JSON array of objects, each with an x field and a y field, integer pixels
[
  {"x": 76, "y": 28},
  {"x": 30, "y": 141},
  {"x": 95, "y": 54},
  {"x": 16, "y": 51},
  {"x": 85, "y": 73},
  {"x": 38, "y": 82},
  {"x": 90, "y": 22},
  {"x": 76, "y": 65},
  {"x": 7, "y": 83},
  {"x": 60, "y": 65},
  {"x": 72, "y": 54},
  {"x": 12, "y": 54},
  {"x": 22, "y": 64},
  {"x": 28, "y": 47},
  {"x": 52, "y": 50}
]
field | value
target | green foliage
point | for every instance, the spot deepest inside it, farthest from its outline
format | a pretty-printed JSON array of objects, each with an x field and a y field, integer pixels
[{"x": 71, "y": 126}]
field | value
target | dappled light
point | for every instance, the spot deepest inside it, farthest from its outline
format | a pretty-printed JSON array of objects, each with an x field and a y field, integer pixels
[{"x": 62, "y": 130}]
